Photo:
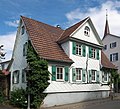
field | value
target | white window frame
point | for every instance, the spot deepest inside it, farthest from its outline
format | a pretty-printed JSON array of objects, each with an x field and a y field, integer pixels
[
  {"x": 114, "y": 57},
  {"x": 78, "y": 49},
  {"x": 93, "y": 76},
  {"x": 58, "y": 79},
  {"x": 87, "y": 31},
  {"x": 113, "y": 45},
  {"x": 15, "y": 78},
  {"x": 105, "y": 47},
  {"x": 93, "y": 53},
  {"x": 78, "y": 72}
]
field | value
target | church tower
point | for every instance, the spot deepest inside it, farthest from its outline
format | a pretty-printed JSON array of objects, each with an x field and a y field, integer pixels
[{"x": 106, "y": 31}]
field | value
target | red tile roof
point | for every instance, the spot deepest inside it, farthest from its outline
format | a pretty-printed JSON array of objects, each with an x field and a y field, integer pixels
[
  {"x": 105, "y": 61},
  {"x": 44, "y": 39}
]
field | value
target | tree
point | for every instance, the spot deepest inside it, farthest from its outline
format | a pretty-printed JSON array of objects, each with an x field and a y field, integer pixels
[{"x": 37, "y": 77}]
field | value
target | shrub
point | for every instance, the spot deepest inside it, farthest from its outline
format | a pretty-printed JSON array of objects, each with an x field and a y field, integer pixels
[
  {"x": 2, "y": 97},
  {"x": 19, "y": 98}
]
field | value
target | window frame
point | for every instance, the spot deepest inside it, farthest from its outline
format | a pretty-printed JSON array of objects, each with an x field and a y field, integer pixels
[
  {"x": 93, "y": 53},
  {"x": 78, "y": 49},
  {"x": 113, "y": 45},
  {"x": 58, "y": 73},
  {"x": 24, "y": 76},
  {"x": 105, "y": 47},
  {"x": 25, "y": 49},
  {"x": 114, "y": 57},
  {"x": 87, "y": 31},
  {"x": 78, "y": 74},
  {"x": 22, "y": 30},
  {"x": 15, "y": 77},
  {"x": 93, "y": 76},
  {"x": 105, "y": 77}
]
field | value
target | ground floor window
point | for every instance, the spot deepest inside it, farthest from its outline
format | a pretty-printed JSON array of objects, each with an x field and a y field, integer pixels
[
  {"x": 59, "y": 73},
  {"x": 93, "y": 72},
  {"x": 24, "y": 76},
  {"x": 105, "y": 77},
  {"x": 16, "y": 77},
  {"x": 78, "y": 74}
]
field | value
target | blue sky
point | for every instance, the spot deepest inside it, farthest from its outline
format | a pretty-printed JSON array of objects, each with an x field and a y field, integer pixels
[{"x": 53, "y": 12}]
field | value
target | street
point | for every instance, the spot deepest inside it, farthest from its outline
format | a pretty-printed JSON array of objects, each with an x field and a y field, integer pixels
[{"x": 113, "y": 104}]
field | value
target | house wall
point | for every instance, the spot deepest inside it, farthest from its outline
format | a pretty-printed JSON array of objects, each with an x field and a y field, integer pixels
[
  {"x": 79, "y": 34},
  {"x": 19, "y": 62},
  {"x": 110, "y": 39},
  {"x": 67, "y": 98}
]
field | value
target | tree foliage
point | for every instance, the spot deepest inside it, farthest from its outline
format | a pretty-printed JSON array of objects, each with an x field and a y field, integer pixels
[{"x": 37, "y": 77}]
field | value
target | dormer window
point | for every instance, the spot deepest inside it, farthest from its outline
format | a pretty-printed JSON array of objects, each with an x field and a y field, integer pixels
[{"x": 87, "y": 31}]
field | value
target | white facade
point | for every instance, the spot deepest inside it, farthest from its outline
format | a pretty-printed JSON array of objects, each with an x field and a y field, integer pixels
[
  {"x": 109, "y": 39},
  {"x": 61, "y": 90}
]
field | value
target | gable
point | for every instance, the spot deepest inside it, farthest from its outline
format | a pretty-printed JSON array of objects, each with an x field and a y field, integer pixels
[{"x": 93, "y": 37}]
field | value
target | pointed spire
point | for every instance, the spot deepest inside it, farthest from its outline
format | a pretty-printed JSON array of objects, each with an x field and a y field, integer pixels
[{"x": 106, "y": 31}]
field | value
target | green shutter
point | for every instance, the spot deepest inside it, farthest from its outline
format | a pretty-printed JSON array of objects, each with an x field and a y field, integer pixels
[
  {"x": 84, "y": 50},
  {"x": 73, "y": 74},
  {"x": 66, "y": 73},
  {"x": 97, "y": 76},
  {"x": 74, "y": 48},
  {"x": 90, "y": 76},
  {"x": 53, "y": 73},
  {"x": 83, "y": 75},
  {"x": 97, "y": 54},
  {"x": 90, "y": 52}
]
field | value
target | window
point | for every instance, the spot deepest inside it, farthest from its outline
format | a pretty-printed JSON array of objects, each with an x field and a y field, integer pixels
[
  {"x": 113, "y": 45},
  {"x": 78, "y": 74},
  {"x": 105, "y": 77},
  {"x": 114, "y": 57},
  {"x": 78, "y": 49},
  {"x": 24, "y": 76},
  {"x": 22, "y": 30},
  {"x": 93, "y": 75},
  {"x": 105, "y": 47},
  {"x": 16, "y": 77},
  {"x": 59, "y": 73},
  {"x": 25, "y": 49},
  {"x": 87, "y": 31},
  {"x": 93, "y": 53}
]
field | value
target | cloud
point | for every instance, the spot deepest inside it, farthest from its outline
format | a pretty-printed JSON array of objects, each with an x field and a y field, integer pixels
[
  {"x": 8, "y": 42},
  {"x": 98, "y": 16},
  {"x": 12, "y": 23}
]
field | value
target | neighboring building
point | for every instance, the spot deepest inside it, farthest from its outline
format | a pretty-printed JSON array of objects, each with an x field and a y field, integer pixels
[
  {"x": 111, "y": 46},
  {"x": 5, "y": 77},
  {"x": 74, "y": 60}
]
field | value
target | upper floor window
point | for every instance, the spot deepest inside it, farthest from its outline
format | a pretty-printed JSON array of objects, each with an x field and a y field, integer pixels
[
  {"x": 25, "y": 49},
  {"x": 93, "y": 53},
  {"x": 105, "y": 47},
  {"x": 22, "y": 30},
  {"x": 16, "y": 77},
  {"x": 87, "y": 31},
  {"x": 78, "y": 74},
  {"x": 78, "y": 49},
  {"x": 114, "y": 57},
  {"x": 113, "y": 45},
  {"x": 24, "y": 76}
]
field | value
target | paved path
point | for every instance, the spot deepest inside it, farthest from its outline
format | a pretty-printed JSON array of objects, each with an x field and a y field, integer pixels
[{"x": 87, "y": 104}]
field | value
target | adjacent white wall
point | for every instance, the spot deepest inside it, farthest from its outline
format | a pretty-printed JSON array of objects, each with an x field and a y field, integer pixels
[{"x": 110, "y": 39}]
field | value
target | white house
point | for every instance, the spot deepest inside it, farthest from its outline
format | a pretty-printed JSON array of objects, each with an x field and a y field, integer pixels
[{"x": 74, "y": 59}]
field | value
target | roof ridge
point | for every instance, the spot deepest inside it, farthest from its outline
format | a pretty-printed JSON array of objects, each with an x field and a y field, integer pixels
[{"x": 41, "y": 22}]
